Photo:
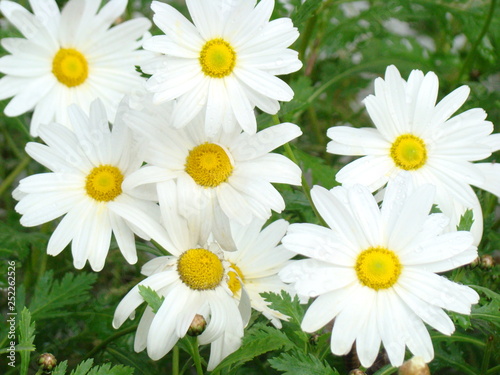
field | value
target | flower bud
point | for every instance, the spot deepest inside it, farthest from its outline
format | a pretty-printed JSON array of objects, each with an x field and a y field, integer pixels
[
  {"x": 47, "y": 362},
  {"x": 414, "y": 366},
  {"x": 487, "y": 261},
  {"x": 197, "y": 326}
]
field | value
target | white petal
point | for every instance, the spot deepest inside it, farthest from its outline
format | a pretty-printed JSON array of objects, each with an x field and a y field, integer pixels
[
  {"x": 324, "y": 309},
  {"x": 133, "y": 299},
  {"x": 251, "y": 147}
]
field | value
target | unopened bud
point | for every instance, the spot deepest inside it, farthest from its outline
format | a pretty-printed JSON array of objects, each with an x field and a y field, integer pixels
[
  {"x": 487, "y": 261},
  {"x": 47, "y": 362},
  {"x": 197, "y": 326},
  {"x": 414, "y": 366},
  {"x": 357, "y": 371}
]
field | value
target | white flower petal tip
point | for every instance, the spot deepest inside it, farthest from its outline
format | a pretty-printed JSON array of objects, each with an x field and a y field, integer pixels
[
  {"x": 254, "y": 50},
  {"x": 369, "y": 307},
  {"x": 103, "y": 55}
]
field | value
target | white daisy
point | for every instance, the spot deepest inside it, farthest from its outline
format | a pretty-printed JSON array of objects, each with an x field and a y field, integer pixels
[
  {"x": 194, "y": 281},
  {"x": 224, "y": 64},
  {"x": 375, "y": 270},
  {"x": 414, "y": 134},
  {"x": 256, "y": 260},
  {"x": 227, "y": 175},
  {"x": 69, "y": 57},
  {"x": 88, "y": 167}
]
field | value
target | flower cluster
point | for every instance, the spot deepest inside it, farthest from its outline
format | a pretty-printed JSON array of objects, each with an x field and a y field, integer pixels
[{"x": 183, "y": 164}]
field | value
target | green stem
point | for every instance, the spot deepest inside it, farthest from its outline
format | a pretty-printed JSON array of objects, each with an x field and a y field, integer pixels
[
  {"x": 196, "y": 357},
  {"x": 13, "y": 175},
  {"x": 112, "y": 338},
  {"x": 175, "y": 360},
  {"x": 159, "y": 247},
  {"x": 306, "y": 35},
  {"x": 318, "y": 132},
  {"x": 18, "y": 153},
  {"x": 305, "y": 185},
  {"x": 470, "y": 57},
  {"x": 487, "y": 354}
]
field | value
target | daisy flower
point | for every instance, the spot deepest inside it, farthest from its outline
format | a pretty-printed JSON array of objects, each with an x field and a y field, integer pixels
[
  {"x": 226, "y": 63},
  {"x": 89, "y": 165},
  {"x": 256, "y": 260},
  {"x": 222, "y": 177},
  {"x": 194, "y": 280},
  {"x": 374, "y": 271},
  {"x": 66, "y": 57},
  {"x": 414, "y": 134}
]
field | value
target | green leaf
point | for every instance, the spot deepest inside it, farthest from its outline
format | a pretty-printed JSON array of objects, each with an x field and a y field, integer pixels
[
  {"x": 85, "y": 368},
  {"x": 299, "y": 363},
  {"x": 285, "y": 304},
  {"x": 108, "y": 370},
  {"x": 16, "y": 242},
  {"x": 322, "y": 174},
  {"x": 259, "y": 339},
  {"x": 466, "y": 221},
  {"x": 461, "y": 320},
  {"x": 51, "y": 298},
  {"x": 490, "y": 310},
  {"x": 26, "y": 338},
  {"x": 151, "y": 297},
  {"x": 305, "y": 11},
  {"x": 60, "y": 368}
]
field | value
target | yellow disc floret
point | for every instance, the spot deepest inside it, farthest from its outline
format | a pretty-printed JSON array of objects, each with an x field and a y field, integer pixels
[
  {"x": 70, "y": 67},
  {"x": 209, "y": 165},
  {"x": 378, "y": 268},
  {"x": 200, "y": 269},
  {"x": 409, "y": 152},
  {"x": 235, "y": 276},
  {"x": 217, "y": 58},
  {"x": 104, "y": 183}
]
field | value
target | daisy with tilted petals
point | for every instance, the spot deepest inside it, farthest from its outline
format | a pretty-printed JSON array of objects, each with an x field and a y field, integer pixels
[
  {"x": 225, "y": 64},
  {"x": 220, "y": 177},
  {"x": 414, "y": 134},
  {"x": 66, "y": 57},
  {"x": 256, "y": 260},
  {"x": 194, "y": 281},
  {"x": 89, "y": 165},
  {"x": 374, "y": 271}
]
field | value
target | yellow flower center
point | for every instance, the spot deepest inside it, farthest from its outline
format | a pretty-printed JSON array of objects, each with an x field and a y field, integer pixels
[
  {"x": 209, "y": 165},
  {"x": 200, "y": 269},
  {"x": 70, "y": 67},
  {"x": 378, "y": 268},
  {"x": 234, "y": 283},
  {"x": 409, "y": 152},
  {"x": 217, "y": 58},
  {"x": 104, "y": 183}
]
